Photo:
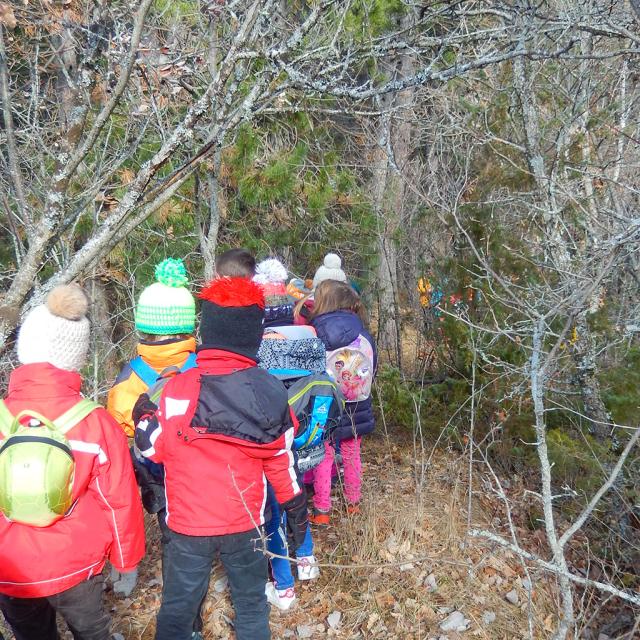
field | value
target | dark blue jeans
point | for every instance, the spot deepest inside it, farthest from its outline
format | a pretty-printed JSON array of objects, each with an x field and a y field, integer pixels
[
  {"x": 165, "y": 532},
  {"x": 81, "y": 607},
  {"x": 187, "y": 566}
]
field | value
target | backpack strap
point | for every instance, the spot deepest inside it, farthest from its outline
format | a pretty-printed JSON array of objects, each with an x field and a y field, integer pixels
[
  {"x": 150, "y": 376},
  {"x": 288, "y": 374},
  {"x": 76, "y": 414},
  {"x": 189, "y": 363},
  {"x": 29, "y": 413},
  {"x": 155, "y": 390},
  {"x": 145, "y": 372},
  {"x": 307, "y": 388},
  {"x": 9, "y": 423},
  {"x": 6, "y": 418},
  {"x": 64, "y": 423}
]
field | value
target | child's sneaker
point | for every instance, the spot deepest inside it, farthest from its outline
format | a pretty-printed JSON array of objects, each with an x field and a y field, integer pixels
[
  {"x": 283, "y": 599},
  {"x": 307, "y": 569},
  {"x": 320, "y": 518},
  {"x": 352, "y": 509}
]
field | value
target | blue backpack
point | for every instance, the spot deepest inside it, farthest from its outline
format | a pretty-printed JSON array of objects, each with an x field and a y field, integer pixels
[
  {"x": 314, "y": 397},
  {"x": 317, "y": 402}
]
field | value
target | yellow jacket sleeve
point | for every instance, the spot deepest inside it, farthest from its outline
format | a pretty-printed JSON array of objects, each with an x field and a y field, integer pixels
[{"x": 122, "y": 396}]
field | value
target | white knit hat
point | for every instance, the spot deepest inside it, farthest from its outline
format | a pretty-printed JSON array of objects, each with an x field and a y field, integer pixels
[
  {"x": 330, "y": 270},
  {"x": 57, "y": 331},
  {"x": 270, "y": 271}
]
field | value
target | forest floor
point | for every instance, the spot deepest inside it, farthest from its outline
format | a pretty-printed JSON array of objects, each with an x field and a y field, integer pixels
[{"x": 399, "y": 569}]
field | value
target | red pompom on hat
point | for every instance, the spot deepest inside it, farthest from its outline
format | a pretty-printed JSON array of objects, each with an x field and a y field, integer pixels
[
  {"x": 232, "y": 316},
  {"x": 233, "y": 292}
]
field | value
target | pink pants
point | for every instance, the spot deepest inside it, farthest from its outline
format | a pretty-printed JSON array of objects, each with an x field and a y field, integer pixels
[{"x": 350, "y": 450}]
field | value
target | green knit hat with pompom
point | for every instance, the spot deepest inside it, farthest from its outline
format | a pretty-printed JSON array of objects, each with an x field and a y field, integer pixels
[{"x": 166, "y": 307}]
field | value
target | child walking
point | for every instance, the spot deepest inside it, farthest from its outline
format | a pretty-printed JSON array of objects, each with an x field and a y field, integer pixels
[
  {"x": 271, "y": 275},
  {"x": 165, "y": 318},
  {"x": 55, "y": 566},
  {"x": 235, "y": 263},
  {"x": 338, "y": 317},
  {"x": 222, "y": 430}
]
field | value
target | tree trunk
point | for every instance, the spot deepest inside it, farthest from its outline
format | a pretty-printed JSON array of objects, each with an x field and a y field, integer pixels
[
  {"x": 390, "y": 172},
  {"x": 387, "y": 260},
  {"x": 210, "y": 224},
  {"x": 103, "y": 363},
  {"x": 557, "y": 246}
]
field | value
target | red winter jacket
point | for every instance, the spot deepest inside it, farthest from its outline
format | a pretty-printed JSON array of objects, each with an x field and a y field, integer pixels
[
  {"x": 106, "y": 521},
  {"x": 222, "y": 430}
]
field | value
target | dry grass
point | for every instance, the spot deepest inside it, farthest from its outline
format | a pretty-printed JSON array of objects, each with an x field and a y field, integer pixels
[
  {"x": 377, "y": 567},
  {"x": 399, "y": 540},
  {"x": 377, "y": 564}
]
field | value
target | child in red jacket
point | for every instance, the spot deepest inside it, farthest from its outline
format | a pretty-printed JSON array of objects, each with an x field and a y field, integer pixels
[
  {"x": 222, "y": 430},
  {"x": 57, "y": 568}
]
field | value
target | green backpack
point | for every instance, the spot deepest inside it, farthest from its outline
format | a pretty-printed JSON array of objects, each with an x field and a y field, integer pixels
[{"x": 37, "y": 466}]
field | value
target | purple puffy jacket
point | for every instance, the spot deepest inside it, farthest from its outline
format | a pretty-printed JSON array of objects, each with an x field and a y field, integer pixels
[{"x": 339, "y": 329}]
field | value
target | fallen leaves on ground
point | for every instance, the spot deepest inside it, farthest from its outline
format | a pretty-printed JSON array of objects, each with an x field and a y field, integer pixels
[{"x": 415, "y": 569}]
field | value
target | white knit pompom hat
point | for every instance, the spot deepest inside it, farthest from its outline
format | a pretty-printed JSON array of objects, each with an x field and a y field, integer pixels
[
  {"x": 331, "y": 269},
  {"x": 270, "y": 271},
  {"x": 57, "y": 331}
]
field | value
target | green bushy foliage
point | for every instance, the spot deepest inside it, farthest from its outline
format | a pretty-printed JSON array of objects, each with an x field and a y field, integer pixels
[
  {"x": 397, "y": 397},
  {"x": 576, "y": 460},
  {"x": 405, "y": 402},
  {"x": 505, "y": 427},
  {"x": 296, "y": 199},
  {"x": 172, "y": 10},
  {"x": 621, "y": 388},
  {"x": 370, "y": 18}
]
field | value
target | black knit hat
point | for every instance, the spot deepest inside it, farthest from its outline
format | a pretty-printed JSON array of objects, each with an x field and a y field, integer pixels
[{"x": 232, "y": 316}]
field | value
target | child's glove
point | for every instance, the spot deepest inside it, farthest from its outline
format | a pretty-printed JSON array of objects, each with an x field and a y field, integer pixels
[
  {"x": 297, "y": 519},
  {"x": 151, "y": 486},
  {"x": 142, "y": 408},
  {"x": 124, "y": 583}
]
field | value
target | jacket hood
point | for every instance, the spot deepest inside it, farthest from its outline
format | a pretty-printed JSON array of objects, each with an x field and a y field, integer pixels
[
  {"x": 42, "y": 381},
  {"x": 279, "y": 315},
  {"x": 338, "y": 328}
]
